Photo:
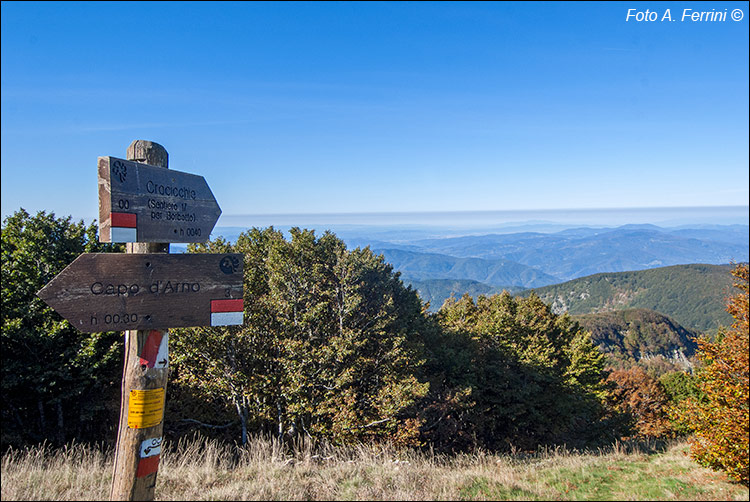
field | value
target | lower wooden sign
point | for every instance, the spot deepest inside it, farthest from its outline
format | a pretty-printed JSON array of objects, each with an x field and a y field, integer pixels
[{"x": 116, "y": 292}]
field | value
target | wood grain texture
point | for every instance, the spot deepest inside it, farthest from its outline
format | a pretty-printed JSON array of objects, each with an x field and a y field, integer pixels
[
  {"x": 169, "y": 206},
  {"x": 115, "y": 291}
]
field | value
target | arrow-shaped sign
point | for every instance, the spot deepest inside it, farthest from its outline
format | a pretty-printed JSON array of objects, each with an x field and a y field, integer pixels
[
  {"x": 144, "y": 203},
  {"x": 115, "y": 291}
]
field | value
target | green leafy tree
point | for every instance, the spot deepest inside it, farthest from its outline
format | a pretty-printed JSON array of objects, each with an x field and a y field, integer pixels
[
  {"x": 57, "y": 383},
  {"x": 679, "y": 386},
  {"x": 719, "y": 420},
  {"x": 535, "y": 377},
  {"x": 447, "y": 411},
  {"x": 329, "y": 348},
  {"x": 217, "y": 373}
]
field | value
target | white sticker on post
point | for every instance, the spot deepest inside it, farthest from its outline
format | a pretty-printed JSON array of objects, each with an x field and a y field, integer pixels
[{"x": 151, "y": 447}]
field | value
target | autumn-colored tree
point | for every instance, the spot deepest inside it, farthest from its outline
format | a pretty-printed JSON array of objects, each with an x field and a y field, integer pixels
[
  {"x": 643, "y": 399},
  {"x": 720, "y": 420}
]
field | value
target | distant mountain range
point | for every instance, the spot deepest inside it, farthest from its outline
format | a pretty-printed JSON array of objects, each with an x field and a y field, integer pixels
[
  {"x": 498, "y": 272},
  {"x": 579, "y": 252},
  {"x": 487, "y": 264},
  {"x": 555, "y": 256}
]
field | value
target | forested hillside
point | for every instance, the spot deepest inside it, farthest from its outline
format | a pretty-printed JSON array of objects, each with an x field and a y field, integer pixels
[
  {"x": 58, "y": 384},
  {"x": 641, "y": 336},
  {"x": 693, "y": 295}
]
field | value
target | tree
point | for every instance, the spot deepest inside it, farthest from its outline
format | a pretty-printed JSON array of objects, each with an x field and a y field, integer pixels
[
  {"x": 679, "y": 386},
  {"x": 534, "y": 377},
  {"x": 330, "y": 346},
  {"x": 643, "y": 399},
  {"x": 57, "y": 382},
  {"x": 223, "y": 371},
  {"x": 719, "y": 421}
]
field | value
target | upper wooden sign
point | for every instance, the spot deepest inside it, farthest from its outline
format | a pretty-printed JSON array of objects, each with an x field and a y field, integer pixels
[
  {"x": 143, "y": 203},
  {"x": 116, "y": 291}
]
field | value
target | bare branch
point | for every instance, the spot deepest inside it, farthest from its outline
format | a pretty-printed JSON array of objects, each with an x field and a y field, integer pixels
[{"x": 207, "y": 425}]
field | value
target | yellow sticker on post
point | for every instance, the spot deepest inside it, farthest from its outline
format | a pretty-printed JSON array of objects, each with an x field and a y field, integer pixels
[{"x": 145, "y": 408}]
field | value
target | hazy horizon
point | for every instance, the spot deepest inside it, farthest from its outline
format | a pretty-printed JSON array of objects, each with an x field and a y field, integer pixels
[{"x": 660, "y": 216}]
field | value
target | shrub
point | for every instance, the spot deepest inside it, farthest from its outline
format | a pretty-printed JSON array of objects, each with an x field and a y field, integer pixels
[
  {"x": 720, "y": 420},
  {"x": 642, "y": 398}
]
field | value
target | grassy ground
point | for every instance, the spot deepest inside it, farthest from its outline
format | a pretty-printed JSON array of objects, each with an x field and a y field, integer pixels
[{"x": 264, "y": 470}]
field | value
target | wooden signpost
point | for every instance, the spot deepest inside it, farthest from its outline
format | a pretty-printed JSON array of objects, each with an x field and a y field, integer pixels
[
  {"x": 143, "y": 203},
  {"x": 115, "y": 292},
  {"x": 146, "y": 291}
]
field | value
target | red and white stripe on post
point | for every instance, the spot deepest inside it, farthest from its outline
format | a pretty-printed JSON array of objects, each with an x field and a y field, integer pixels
[
  {"x": 155, "y": 352},
  {"x": 122, "y": 227},
  {"x": 227, "y": 312}
]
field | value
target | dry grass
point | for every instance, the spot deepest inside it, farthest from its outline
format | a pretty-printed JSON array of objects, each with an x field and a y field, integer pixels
[
  {"x": 75, "y": 472},
  {"x": 267, "y": 470}
]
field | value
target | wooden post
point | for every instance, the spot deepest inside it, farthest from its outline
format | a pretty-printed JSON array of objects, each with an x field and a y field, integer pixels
[{"x": 144, "y": 384}]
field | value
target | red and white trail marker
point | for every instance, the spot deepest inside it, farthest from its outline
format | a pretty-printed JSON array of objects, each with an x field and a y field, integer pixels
[
  {"x": 123, "y": 227},
  {"x": 155, "y": 353},
  {"x": 226, "y": 312}
]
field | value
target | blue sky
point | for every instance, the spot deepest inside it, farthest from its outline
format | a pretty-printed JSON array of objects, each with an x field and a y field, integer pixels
[{"x": 379, "y": 107}]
